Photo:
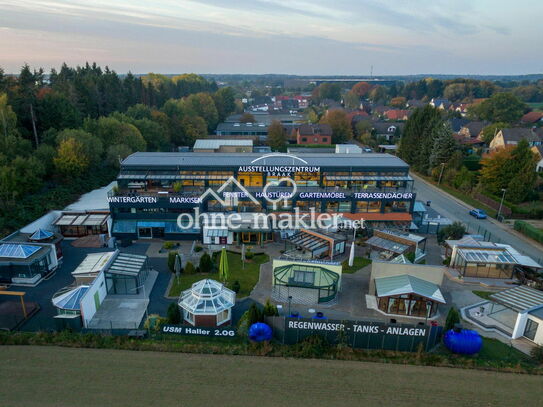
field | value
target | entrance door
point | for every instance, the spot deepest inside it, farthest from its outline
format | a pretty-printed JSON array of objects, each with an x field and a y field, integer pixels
[{"x": 145, "y": 233}]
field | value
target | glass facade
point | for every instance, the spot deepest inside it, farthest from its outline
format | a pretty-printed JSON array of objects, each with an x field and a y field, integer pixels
[{"x": 408, "y": 304}]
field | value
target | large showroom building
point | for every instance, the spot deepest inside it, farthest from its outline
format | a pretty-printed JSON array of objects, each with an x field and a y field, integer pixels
[{"x": 155, "y": 188}]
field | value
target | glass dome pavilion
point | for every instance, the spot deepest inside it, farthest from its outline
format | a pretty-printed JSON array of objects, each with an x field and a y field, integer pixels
[{"x": 207, "y": 303}]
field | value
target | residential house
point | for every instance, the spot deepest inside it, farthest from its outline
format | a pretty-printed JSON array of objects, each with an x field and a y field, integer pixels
[
  {"x": 314, "y": 134},
  {"x": 472, "y": 129},
  {"x": 532, "y": 118},
  {"x": 387, "y": 129},
  {"x": 415, "y": 103},
  {"x": 397, "y": 114},
  {"x": 512, "y": 136},
  {"x": 457, "y": 123},
  {"x": 442, "y": 104}
]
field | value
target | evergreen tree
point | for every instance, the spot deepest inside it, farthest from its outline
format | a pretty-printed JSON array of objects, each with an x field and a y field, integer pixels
[
  {"x": 444, "y": 145},
  {"x": 206, "y": 264},
  {"x": 173, "y": 314},
  {"x": 453, "y": 318},
  {"x": 417, "y": 141}
]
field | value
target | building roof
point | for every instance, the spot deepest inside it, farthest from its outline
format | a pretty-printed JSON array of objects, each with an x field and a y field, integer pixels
[
  {"x": 81, "y": 219},
  {"x": 18, "y": 251},
  {"x": 207, "y": 297},
  {"x": 475, "y": 128},
  {"x": 519, "y": 133},
  {"x": 241, "y": 127},
  {"x": 384, "y": 127},
  {"x": 322, "y": 277},
  {"x": 348, "y": 149},
  {"x": 474, "y": 249},
  {"x": 388, "y": 245},
  {"x": 127, "y": 264},
  {"x": 404, "y": 235},
  {"x": 184, "y": 159},
  {"x": 520, "y": 298},
  {"x": 93, "y": 263},
  {"x": 457, "y": 123},
  {"x": 406, "y": 284},
  {"x": 532, "y": 117},
  {"x": 311, "y": 129},
  {"x": 214, "y": 144},
  {"x": 70, "y": 299},
  {"x": 41, "y": 234}
]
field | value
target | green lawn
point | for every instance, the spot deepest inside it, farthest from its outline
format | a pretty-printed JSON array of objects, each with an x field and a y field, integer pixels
[
  {"x": 359, "y": 262},
  {"x": 494, "y": 349},
  {"x": 493, "y": 352},
  {"x": 247, "y": 276},
  {"x": 536, "y": 105},
  {"x": 483, "y": 294}
]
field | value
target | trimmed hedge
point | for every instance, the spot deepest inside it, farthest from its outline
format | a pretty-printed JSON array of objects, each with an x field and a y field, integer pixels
[{"x": 526, "y": 229}]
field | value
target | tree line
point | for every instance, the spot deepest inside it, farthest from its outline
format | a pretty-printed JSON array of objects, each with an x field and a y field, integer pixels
[{"x": 77, "y": 123}]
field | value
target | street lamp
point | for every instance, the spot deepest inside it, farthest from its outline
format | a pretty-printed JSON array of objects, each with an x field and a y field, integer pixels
[
  {"x": 501, "y": 203},
  {"x": 441, "y": 173}
]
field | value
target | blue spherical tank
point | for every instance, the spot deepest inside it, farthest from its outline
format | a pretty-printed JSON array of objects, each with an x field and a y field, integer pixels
[
  {"x": 464, "y": 342},
  {"x": 259, "y": 332}
]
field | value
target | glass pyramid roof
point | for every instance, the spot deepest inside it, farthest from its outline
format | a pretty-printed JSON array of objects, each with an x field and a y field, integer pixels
[
  {"x": 41, "y": 234},
  {"x": 17, "y": 251},
  {"x": 70, "y": 300},
  {"x": 207, "y": 297}
]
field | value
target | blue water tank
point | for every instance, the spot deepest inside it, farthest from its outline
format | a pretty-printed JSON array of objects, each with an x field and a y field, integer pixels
[
  {"x": 464, "y": 342},
  {"x": 259, "y": 332}
]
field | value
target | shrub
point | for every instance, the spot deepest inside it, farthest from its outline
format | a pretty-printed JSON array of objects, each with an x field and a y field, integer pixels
[
  {"x": 447, "y": 261},
  {"x": 198, "y": 249},
  {"x": 168, "y": 245},
  {"x": 236, "y": 286},
  {"x": 174, "y": 315},
  {"x": 254, "y": 315},
  {"x": 249, "y": 254},
  {"x": 526, "y": 229},
  {"x": 453, "y": 317},
  {"x": 171, "y": 261},
  {"x": 537, "y": 354},
  {"x": 410, "y": 257},
  {"x": 206, "y": 264},
  {"x": 189, "y": 268},
  {"x": 270, "y": 310}
]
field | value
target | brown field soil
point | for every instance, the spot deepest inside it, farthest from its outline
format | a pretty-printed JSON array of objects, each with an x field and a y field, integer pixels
[{"x": 54, "y": 376}]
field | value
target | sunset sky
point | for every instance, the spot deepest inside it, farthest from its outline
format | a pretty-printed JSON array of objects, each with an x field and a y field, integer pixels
[{"x": 272, "y": 36}]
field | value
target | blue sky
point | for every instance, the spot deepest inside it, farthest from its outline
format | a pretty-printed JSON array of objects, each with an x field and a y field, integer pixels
[{"x": 273, "y": 36}]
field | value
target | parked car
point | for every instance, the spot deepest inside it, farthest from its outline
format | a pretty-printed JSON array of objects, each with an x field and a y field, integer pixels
[{"x": 478, "y": 213}]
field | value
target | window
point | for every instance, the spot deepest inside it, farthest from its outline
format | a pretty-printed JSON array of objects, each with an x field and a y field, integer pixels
[
  {"x": 531, "y": 329},
  {"x": 325, "y": 139},
  {"x": 304, "y": 277},
  {"x": 223, "y": 316},
  {"x": 189, "y": 317},
  {"x": 304, "y": 139}
]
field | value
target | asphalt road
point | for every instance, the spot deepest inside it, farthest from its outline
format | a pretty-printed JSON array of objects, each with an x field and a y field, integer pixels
[{"x": 456, "y": 211}]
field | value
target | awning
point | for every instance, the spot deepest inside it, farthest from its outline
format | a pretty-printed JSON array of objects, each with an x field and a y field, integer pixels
[
  {"x": 388, "y": 245},
  {"x": 406, "y": 284},
  {"x": 519, "y": 298},
  {"x": 147, "y": 224}
]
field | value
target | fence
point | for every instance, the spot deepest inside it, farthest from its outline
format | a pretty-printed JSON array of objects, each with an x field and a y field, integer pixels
[{"x": 357, "y": 334}]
